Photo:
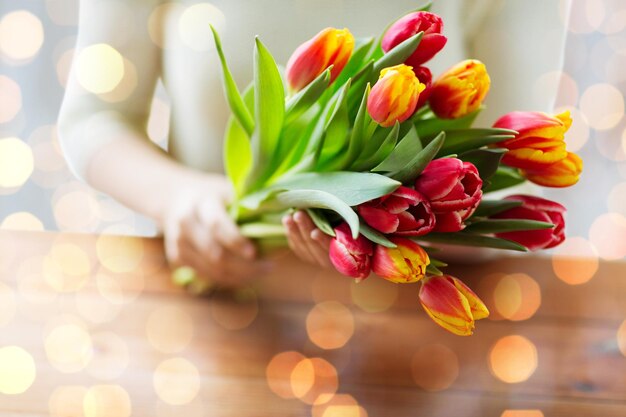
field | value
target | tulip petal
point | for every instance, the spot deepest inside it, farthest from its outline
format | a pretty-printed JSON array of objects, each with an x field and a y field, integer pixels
[
  {"x": 478, "y": 308},
  {"x": 405, "y": 263},
  {"x": 446, "y": 305},
  {"x": 379, "y": 219}
]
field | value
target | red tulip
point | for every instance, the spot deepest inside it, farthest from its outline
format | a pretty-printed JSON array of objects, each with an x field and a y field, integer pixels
[
  {"x": 329, "y": 47},
  {"x": 454, "y": 190},
  {"x": 452, "y": 304},
  {"x": 432, "y": 41},
  {"x": 351, "y": 257},
  {"x": 405, "y": 212},
  {"x": 426, "y": 78},
  {"x": 540, "y": 209},
  {"x": 403, "y": 264}
]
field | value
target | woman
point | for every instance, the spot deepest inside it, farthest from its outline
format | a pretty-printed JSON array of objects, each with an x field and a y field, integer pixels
[{"x": 183, "y": 190}]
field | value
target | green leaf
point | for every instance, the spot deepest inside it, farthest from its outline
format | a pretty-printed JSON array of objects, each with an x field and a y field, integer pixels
[
  {"x": 360, "y": 133},
  {"x": 318, "y": 199},
  {"x": 488, "y": 208},
  {"x": 438, "y": 263},
  {"x": 411, "y": 171},
  {"x": 486, "y": 160},
  {"x": 402, "y": 154},
  {"x": 269, "y": 100},
  {"x": 463, "y": 140},
  {"x": 375, "y": 236},
  {"x": 429, "y": 128},
  {"x": 320, "y": 221},
  {"x": 397, "y": 55},
  {"x": 233, "y": 97},
  {"x": 353, "y": 188},
  {"x": 384, "y": 149},
  {"x": 467, "y": 239},
  {"x": 306, "y": 97},
  {"x": 506, "y": 225},
  {"x": 237, "y": 149},
  {"x": 504, "y": 177},
  {"x": 259, "y": 230},
  {"x": 336, "y": 132},
  {"x": 432, "y": 269}
]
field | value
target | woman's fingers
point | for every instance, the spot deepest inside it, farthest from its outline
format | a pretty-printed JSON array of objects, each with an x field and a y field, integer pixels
[
  {"x": 306, "y": 227},
  {"x": 295, "y": 240},
  {"x": 217, "y": 230}
]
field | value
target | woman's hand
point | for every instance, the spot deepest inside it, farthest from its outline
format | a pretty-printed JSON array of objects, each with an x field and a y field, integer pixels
[
  {"x": 200, "y": 234},
  {"x": 308, "y": 242}
]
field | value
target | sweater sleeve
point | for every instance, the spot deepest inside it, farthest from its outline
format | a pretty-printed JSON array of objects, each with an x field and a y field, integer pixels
[{"x": 113, "y": 76}]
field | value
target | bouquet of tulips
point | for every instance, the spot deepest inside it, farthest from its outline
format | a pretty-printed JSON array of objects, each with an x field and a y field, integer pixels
[{"x": 386, "y": 161}]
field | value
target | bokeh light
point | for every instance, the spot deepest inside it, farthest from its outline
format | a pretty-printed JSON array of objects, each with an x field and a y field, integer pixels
[
  {"x": 517, "y": 296},
  {"x": 522, "y": 413},
  {"x": 238, "y": 312},
  {"x": 63, "y": 12},
  {"x": 157, "y": 26},
  {"x": 374, "y": 295},
  {"x": 434, "y": 367},
  {"x": 314, "y": 381},
  {"x": 99, "y": 68},
  {"x": 75, "y": 208},
  {"x": 21, "y": 220},
  {"x": 21, "y": 35},
  {"x": 117, "y": 251},
  {"x": 119, "y": 289},
  {"x": 96, "y": 308},
  {"x": 561, "y": 83},
  {"x": 617, "y": 199},
  {"x": 339, "y": 405},
  {"x": 7, "y": 304},
  {"x": 194, "y": 28},
  {"x": 67, "y": 267},
  {"x": 621, "y": 338},
  {"x": 17, "y": 370},
  {"x": 513, "y": 359},
  {"x": 330, "y": 325},
  {"x": 575, "y": 261},
  {"x": 10, "y": 97},
  {"x": 16, "y": 162},
  {"x": 67, "y": 401},
  {"x": 169, "y": 329},
  {"x": 585, "y": 18},
  {"x": 68, "y": 348},
  {"x": 125, "y": 88},
  {"x": 63, "y": 65},
  {"x": 608, "y": 235},
  {"x": 278, "y": 372},
  {"x": 603, "y": 106},
  {"x": 110, "y": 356},
  {"x": 107, "y": 401},
  {"x": 176, "y": 381}
]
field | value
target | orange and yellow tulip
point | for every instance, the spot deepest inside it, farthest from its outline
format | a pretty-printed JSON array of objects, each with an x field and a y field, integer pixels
[
  {"x": 460, "y": 90},
  {"x": 394, "y": 97},
  {"x": 452, "y": 304},
  {"x": 403, "y": 264},
  {"x": 538, "y": 149},
  {"x": 564, "y": 173},
  {"x": 329, "y": 47}
]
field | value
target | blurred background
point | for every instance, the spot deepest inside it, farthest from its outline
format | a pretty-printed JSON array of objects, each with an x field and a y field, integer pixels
[
  {"x": 87, "y": 332},
  {"x": 38, "y": 192}
]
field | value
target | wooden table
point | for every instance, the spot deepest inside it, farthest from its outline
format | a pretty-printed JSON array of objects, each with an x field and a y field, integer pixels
[{"x": 92, "y": 326}]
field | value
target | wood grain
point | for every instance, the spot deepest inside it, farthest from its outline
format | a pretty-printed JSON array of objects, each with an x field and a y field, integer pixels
[{"x": 580, "y": 371}]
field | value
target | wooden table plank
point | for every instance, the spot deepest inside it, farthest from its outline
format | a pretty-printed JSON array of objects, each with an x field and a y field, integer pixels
[{"x": 574, "y": 331}]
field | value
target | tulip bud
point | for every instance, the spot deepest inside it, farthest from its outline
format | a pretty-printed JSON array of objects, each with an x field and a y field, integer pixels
[
  {"x": 540, "y": 209},
  {"x": 405, "y": 212},
  {"x": 564, "y": 173},
  {"x": 460, "y": 90},
  {"x": 349, "y": 256},
  {"x": 405, "y": 263},
  {"x": 329, "y": 47},
  {"x": 454, "y": 189},
  {"x": 451, "y": 304},
  {"x": 432, "y": 40},
  {"x": 426, "y": 77},
  {"x": 394, "y": 97}
]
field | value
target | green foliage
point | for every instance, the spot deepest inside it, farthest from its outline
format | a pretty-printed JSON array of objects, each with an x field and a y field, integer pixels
[
  {"x": 411, "y": 171},
  {"x": 504, "y": 177},
  {"x": 467, "y": 239},
  {"x": 488, "y": 208},
  {"x": 506, "y": 225},
  {"x": 375, "y": 236}
]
